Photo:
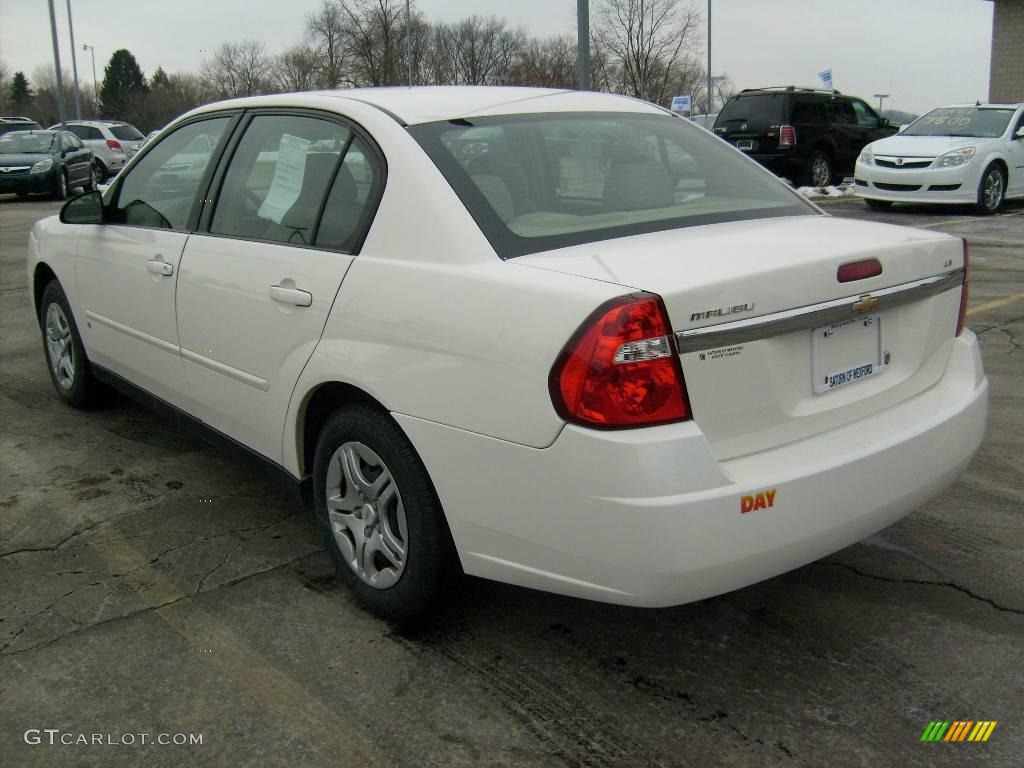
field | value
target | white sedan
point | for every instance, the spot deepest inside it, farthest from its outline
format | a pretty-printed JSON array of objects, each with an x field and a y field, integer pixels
[
  {"x": 559, "y": 339},
  {"x": 960, "y": 154}
]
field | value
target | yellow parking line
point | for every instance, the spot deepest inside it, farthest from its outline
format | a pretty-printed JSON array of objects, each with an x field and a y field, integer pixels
[{"x": 994, "y": 304}]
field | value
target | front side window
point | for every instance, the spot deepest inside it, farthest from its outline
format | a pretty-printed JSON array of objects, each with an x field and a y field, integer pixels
[
  {"x": 866, "y": 117},
  {"x": 161, "y": 189},
  {"x": 975, "y": 122},
  {"x": 539, "y": 182},
  {"x": 278, "y": 178}
]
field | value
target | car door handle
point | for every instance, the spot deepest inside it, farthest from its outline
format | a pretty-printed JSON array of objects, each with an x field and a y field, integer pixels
[
  {"x": 160, "y": 267},
  {"x": 291, "y": 296}
]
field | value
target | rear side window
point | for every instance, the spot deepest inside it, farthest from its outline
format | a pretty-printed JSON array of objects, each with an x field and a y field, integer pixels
[
  {"x": 352, "y": 197},
  {"x": 126, "y": 133},
  {"x": 538, "y": 182},
  {"x": 758, "y": 110},
  {"x": 278, "y": 178},
  {"x": 162, "y": 188}
]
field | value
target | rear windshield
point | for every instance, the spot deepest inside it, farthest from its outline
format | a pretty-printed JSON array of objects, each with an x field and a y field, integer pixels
[
  {"x": 126, "y": 133},
  {"x": 961, "y": 121},
  {"x": 538, "y": 182},
  {"x": 761, "y": 109}
]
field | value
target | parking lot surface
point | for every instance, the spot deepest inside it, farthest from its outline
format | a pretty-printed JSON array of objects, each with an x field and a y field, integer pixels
[{"x": 154, "y": 585}]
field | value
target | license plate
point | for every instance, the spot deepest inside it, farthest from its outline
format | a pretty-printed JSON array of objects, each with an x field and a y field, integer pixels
[
  {"x": 745, "y": 144},
  {"x": 845, "y": 352}
]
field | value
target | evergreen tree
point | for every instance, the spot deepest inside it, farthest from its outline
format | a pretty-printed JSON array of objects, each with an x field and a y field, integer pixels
[
  {"x": 159, "y": 79},
  {"x": 21, "y": 93},
  {"x": 124, "y": 87}
]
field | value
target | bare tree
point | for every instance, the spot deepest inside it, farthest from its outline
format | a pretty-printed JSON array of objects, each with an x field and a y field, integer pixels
[
  {"x": 238, "y": 69},
  {"x": 481, "y": 50},
  {"x": 325, "y": 30},
  {"x": 375, "y": 32},
  {"x": 646, "y": 44},
  {"x": 299, "y": 69},
  {"x": 549, "y": 63}
]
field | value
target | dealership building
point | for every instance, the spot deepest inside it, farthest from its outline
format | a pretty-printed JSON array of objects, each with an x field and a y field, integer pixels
[{"x": 1006, "y": 75}]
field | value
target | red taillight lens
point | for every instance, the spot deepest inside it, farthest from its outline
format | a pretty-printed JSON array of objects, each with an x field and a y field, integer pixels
[
  {"x": 787, "y": 136},
  {"x": 621, "y": 368},
  {"x": 858, "y": 270},
  {"x": 115, "y": 145},
  {"x": 962, "y": 317}
]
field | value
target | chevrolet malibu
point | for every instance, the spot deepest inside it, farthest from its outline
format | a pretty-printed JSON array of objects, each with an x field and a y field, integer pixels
[
  {"x": 961, "y": 154},
  {"x": 559, "y": 339}
]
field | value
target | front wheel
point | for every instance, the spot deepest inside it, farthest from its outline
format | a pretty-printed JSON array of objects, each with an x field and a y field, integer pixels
[
  {"x": 382, "y": 521},
  {"x": 991, "y": 190},
  {"x": 878, "y": 205},
  {"x": 60, "y": 186},
  {"x": 92, "y": 182},
  {"x": 65, "y": 354}
]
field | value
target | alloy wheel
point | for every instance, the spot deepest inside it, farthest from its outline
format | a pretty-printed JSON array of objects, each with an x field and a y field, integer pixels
[
  {"x": 367, "y": 516},
  {"x": 820, "y": 171},
  {"x": 59, "y": 347},
  {"x": 993, "y": 191}
]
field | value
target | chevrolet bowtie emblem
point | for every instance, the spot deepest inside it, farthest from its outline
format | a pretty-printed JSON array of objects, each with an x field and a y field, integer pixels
[
  {"x": 899, "y": 161},
  {"x": 866, "y": 303}
]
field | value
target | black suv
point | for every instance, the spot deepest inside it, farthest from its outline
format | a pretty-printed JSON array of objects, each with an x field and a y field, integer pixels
[
  {"x": 8, "y": 124},
  {"x": 809, "y": 136}
]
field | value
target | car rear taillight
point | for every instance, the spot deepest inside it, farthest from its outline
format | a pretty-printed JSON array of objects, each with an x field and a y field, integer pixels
[
  {"x": 787, "y": 136},
  {"x": 961, "y": 319},
  {"x": 621, "y": 368},
  {"x": 115, "y": 145}
]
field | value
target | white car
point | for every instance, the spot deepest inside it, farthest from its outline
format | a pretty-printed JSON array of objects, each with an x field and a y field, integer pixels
[
  {"x": 959, "y": 154},
  {"x": 507, "y": 329}
]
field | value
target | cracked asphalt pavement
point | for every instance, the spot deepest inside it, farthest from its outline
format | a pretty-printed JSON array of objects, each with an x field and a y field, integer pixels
[{"x": 154, "y": 584}]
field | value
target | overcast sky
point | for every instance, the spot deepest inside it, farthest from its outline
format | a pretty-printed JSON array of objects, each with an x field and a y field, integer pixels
[{"x": 923, "y": 52}]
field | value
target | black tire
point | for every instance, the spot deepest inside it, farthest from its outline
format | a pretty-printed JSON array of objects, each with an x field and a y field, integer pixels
[
  {"x": 990, "y": 198},
  {"x": 60, "y": 186},
  {"x": 819, "y": 170},
  {"x": 878, "y": 205},
  {"x": 430, "y": 560},
  {"x": 101, "y": 169},
  {"x": 84, "y": 390}
]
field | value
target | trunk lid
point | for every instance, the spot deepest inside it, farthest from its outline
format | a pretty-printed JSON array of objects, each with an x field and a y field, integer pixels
[{"x": 772, "y": 385}]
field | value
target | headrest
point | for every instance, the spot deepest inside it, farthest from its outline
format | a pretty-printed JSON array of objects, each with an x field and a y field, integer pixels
[{"x": 637, "y": 186}]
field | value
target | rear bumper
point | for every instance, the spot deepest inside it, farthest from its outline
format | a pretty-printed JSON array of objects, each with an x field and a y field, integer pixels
[{"x": 649, "y": 518}]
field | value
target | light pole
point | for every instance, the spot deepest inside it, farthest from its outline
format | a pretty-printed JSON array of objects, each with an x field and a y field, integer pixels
[
  {"x": 56, "y": 67},
  {"x": 95, "y": 85},
  {"x": 408, "y": 41},
  {"x": 583, "y": 44},
  {"x": 74, "y": 65},
  {"x": 708, "y": 109},
  {"x": 881, "y": 96}
]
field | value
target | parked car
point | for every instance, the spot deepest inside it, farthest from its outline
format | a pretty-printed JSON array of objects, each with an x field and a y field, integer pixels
[
  {"x": 44, "y": 161},
  {"x": 8, "y": 124},
  {"x": 113, "y": 143},
  {"x": 966, "y": 153},
  {"x": 521, "y": 340},
  {"x": 811, "y": 137}
]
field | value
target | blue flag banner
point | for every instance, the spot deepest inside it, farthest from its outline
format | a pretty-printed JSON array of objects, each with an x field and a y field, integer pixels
[{"x": 826, "y": 77}]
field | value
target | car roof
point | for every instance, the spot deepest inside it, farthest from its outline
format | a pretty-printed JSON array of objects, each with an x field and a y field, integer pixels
[
  {"x": 425, "y": 104},
  {"x": 100, "y": 123},
  {"x": 982, "y": 106},
  {"x": 13, "y": 119}
]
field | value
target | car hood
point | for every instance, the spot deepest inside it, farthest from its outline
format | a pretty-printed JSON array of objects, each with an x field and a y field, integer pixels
[
  {"x": 922, "y": 146},
  {"x": 13, "y": 159}
]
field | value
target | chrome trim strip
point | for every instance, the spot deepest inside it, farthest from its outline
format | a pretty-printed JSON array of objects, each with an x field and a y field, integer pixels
[
  {"x": 153, "y": 341},
  {"x": 813, "y": 316},
  {"x": 226, "y": 370}
]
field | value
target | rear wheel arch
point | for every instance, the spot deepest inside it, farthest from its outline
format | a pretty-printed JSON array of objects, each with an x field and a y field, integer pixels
[{"x": 318, "y": 406}]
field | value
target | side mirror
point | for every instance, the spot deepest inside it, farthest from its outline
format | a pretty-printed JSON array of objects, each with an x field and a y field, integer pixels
[
  {"x": 1020, "y": 133},
  {"x": 87, "y": 208}
]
